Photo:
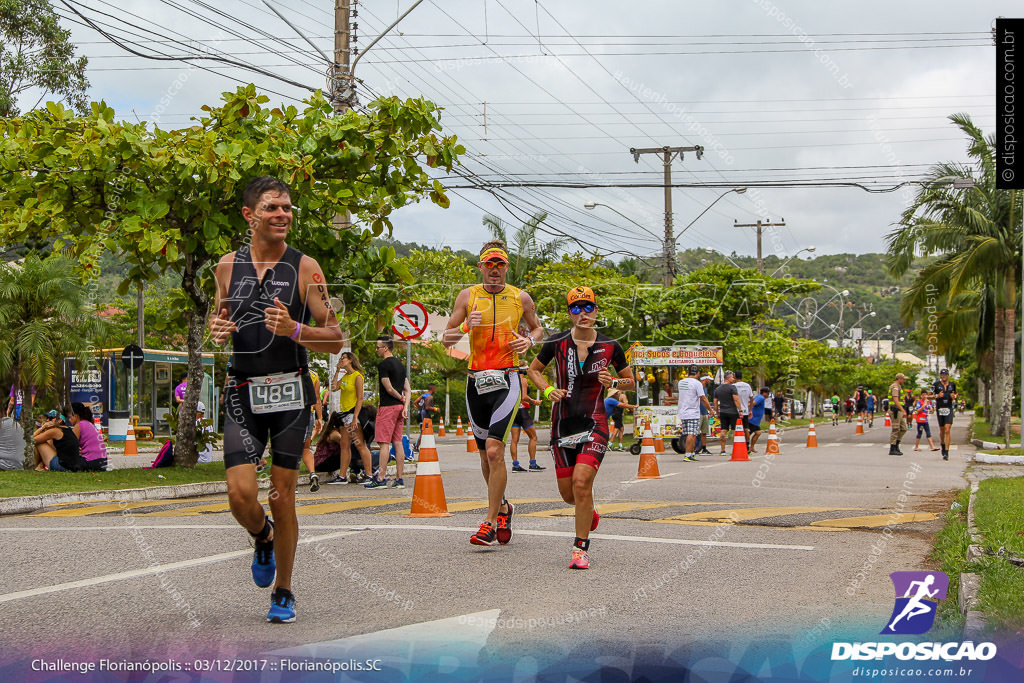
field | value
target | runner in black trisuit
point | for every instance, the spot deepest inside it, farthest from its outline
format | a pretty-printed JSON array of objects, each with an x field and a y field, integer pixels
[
  {"x": 582, "y": 360},
  {"x": 945, "y": 395},
  {"x": 267, "y": 292}
]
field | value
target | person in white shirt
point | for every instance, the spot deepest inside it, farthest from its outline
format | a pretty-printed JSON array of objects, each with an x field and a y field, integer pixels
[
  {"x": 746, "y": 394},
  {"x": 691, "y": 395},
  {"x": 205, "y": 455}
]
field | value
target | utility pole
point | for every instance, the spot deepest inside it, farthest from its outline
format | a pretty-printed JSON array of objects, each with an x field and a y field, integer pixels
[
  {"x": 668, "y": 155},
  {"x": 760, "y": 225}
]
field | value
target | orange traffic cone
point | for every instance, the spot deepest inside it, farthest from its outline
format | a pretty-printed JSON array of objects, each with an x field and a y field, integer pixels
[
  {"x": 458, "y": 427},
  {"x": 773, "y": 441},
  {"x": 98, "y": 425},
  {"x": 471, "y": 446},
  {"x": 860, "y": 425},
  {"x": 812, "y": 440},
  {"x": 739, "y": 444},
  {"x": 659, "y": 443},
  {"x": 428, "y": 494},
  {"x": 130, "y": 448},
  {"x": 888, "y": 422},
  {"x": 440, "y": 430},
  {"x": 648, "y": 468}
]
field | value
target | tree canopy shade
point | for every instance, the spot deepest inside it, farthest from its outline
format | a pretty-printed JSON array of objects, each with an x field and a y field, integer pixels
[
  {"x": 169, "y": 200},
  {"x": 37, "y": 56}
]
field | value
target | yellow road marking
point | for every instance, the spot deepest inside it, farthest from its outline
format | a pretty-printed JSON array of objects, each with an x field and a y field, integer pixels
[
  {"x": 326, "y": 508},
  {"x": 480, "y": 505},
  {"x": 94, "y": 510},
  {"x": 603, "y": 509},
  {"x": 744, "y": 514},
  {"x": 876, "y": 520}
]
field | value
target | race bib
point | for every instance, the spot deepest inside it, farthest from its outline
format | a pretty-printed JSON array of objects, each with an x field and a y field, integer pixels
[
  {"x": 575, "y": 439},
  {"x": 943, "y": 412},
  {"x": 276, "y": 393},
  {"x": 490, "y": 380}
]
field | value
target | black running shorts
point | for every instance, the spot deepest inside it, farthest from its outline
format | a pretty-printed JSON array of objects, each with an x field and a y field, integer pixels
[
  {"x": 246, "y": 434},
  {"x": 491, "y": 414},
  {"x": 589, "y": 453},
  {"x": 523, "y": 419},
  {"x": 944, "y": 419},
  {"x": 728, "y": 421}
]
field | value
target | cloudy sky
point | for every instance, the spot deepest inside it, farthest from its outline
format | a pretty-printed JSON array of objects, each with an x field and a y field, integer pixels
[{"x": 776, "y": 92}]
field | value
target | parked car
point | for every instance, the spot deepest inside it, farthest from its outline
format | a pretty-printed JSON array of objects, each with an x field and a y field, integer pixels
[{"x": 796, "y": 405}]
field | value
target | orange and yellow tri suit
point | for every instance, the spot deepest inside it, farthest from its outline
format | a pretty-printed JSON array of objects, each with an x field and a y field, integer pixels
[{"x": 489, "y": 341}]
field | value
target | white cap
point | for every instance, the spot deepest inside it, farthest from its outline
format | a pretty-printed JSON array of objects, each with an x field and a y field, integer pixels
[
  {"x": 201, "y": 407},
  {"x": 706, "y": 377}
]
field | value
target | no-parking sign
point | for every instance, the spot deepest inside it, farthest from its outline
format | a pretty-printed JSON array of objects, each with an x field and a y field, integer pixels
[{"x": 409, "y": 320}]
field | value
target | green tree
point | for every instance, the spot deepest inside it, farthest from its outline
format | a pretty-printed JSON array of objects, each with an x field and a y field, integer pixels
[
  {"x": 169, "y": 200},
  {"x": 436, "y": 358},
  {"x": 45, "y": 316},
  {"x": 974, "y": 234},
  {"x": 437, "y": 278},
  {"x": 36, "y": 55},
  {"x": 526, "y": 248}
]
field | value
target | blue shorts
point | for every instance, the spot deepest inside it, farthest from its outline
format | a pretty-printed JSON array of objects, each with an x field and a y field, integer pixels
[{"x": 55, "y": 465}]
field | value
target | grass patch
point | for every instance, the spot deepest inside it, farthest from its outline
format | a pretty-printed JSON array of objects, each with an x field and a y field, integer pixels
[
  {"x": 29, "y": 483},
  {"x": 999, "y": 515},
  {"x": 1005, "y": 451},
  {"x": 981, "y": 429},
  {"x": 950, "y": 553}
]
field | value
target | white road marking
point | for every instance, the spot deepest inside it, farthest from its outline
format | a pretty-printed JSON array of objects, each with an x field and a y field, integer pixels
[
  {"x": 345, "y": 530},
  {"x": 155, "y": 569},
  {"x": 457, "y": 639}
]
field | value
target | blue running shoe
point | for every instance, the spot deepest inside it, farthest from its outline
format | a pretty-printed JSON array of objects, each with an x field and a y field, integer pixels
[
  {"x": 375, "y": 483},
  {"x": 282, "y": 607},
  {"x": 263, "y": 566}
]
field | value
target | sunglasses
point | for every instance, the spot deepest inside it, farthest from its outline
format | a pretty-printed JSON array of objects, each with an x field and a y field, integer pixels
[
  {"x": 588, "y": 307},
  {"x": 491, "y": 265}
]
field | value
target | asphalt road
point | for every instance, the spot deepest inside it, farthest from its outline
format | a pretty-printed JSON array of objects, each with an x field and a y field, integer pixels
[{"x": 708, "y": 554}]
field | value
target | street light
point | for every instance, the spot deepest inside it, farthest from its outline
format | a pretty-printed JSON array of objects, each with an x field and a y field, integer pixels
[
  {"x": 877, "y": 342},
  {"x": 591, "y": 205},
  {"x": 668, "y": 242},
  {"x": 809, "y": 249}
]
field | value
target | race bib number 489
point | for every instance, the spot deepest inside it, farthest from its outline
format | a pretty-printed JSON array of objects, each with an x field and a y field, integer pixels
[{"x": 276, "y": 393}]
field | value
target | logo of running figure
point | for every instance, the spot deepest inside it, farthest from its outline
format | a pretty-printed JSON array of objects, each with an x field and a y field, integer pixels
[{"x": 917, "y": 598}]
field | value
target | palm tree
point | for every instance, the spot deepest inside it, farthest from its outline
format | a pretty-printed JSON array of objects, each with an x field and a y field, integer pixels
[
  {"x": 44, "y": 318},
  {"x": 526, "y": 250},
  {"x": 974, "y": 234},
  {"x": 434, "y": 355}
]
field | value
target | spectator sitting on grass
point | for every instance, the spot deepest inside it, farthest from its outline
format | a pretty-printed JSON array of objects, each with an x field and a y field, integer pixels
[
  {"x": 57, "y": 446},
  {"x": 91, "y": 445},
  {"x": 12, "y": 444}
]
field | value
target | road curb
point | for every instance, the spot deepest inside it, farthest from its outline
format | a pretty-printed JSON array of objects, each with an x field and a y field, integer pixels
[
  {"x": 25, "y": 504},
  {"x": 974, "y": 620},
  {"x": 993, "y": 459}
]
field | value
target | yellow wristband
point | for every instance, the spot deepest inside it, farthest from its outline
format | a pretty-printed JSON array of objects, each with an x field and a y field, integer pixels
[
  {"x": 464, "y": 328},
  {"x": 547, "y": 392}
]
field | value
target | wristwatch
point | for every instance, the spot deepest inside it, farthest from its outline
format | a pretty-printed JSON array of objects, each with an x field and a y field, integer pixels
[{"x": 615, "y": 384}]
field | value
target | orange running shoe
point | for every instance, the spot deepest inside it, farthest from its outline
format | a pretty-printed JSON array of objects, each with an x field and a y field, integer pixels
[{"x": 484, "y": 536}]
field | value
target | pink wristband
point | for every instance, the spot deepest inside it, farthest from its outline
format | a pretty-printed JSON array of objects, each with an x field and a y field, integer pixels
[{"x": 298, "y": 326}]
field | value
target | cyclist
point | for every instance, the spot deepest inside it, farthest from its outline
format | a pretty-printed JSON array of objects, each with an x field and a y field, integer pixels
[
  {"x": 491, "y": 313},
  {"x": 583, "y": 360}
]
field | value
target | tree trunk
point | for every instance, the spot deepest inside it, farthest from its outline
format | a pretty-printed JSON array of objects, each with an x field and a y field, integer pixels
[
  {"x": 1005, "y": 365},
  {"x": 998, "y": 385},
  {"x": 185, "y": 452}
]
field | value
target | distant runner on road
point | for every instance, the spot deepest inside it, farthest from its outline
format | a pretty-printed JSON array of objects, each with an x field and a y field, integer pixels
[
  {"x": 945, "y": 396},
  {"x": 583, "y": 361}
]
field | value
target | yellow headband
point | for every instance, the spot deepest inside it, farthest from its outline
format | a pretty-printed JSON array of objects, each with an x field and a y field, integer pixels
[{"x": 494, "y": 251}]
